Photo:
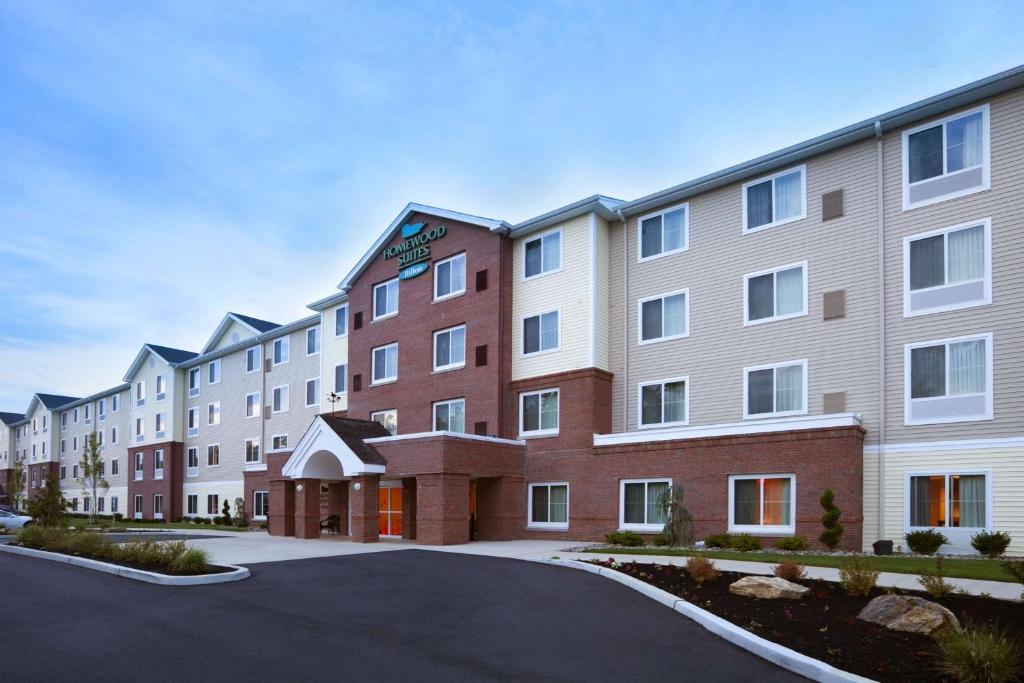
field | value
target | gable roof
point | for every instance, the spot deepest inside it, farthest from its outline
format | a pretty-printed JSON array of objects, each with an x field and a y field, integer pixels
[
  {"x": 601, "y": 205},
  {"x": 10, "y": 418},
  {"x": 410, "y": 209},
  {"x": 256, "y": 325},
  {"x": 352, "y": 432},
  {"x": 273, "y": 333},
  {"x": 173, "y": 357},
  {"x": 48, "y": 401}
]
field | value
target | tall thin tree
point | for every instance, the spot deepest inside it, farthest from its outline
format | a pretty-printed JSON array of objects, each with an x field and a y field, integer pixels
[
  {"x": 92, "y": 470},
  {"x": 16, "y": 484}
]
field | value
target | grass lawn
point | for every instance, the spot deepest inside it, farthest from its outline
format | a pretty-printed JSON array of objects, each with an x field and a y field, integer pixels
[
  {"x": 955, "y": 568},
  {"x": 106, "y": 522}
]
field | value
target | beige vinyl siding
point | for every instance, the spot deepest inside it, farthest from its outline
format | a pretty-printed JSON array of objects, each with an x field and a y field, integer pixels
[
  {"x": 38, "y": 437},
  {"x": 1002, "y": 203},
  {"x": 229, "y": 339},
  {"x": 108, "y": 451},
  {"x": 840, "y": 255},
  {"x": 294, "y": 373},
  {"x": 567, "y": 290},
  {"x": 602, "y": 285},
  {"x": 335, "y": 352},
  {"x": 152, "y": 366},
  {"x": 226, "y": 489}
]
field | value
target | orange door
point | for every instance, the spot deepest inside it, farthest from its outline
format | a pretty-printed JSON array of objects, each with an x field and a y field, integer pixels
[{"x": 390, "y": 507}]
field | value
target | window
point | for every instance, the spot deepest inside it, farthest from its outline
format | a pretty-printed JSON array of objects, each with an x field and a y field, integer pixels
[
  {"x": 114, "y": 468},
  {"x": 252, "y": 404},
  {"x": 213, "y": 455},
  {"x": 279, "y": 402},
  {"x": 388, "y": 418},
  {"x": 762, "y": 504},
  {"x": 279, "y": 442},
  {"x": 161, "y": 390},
  {"x": 138, "y": 466},
  {"x": 281, "y": 350},
  {"x": 260, "y": 504},
  {"x": 946, "y": 158},
  {"x": 312, "y": 392},
  {"x": 538, "y": 413},
  {"x": 99, "y": 505},
  {"x": 450, "y": 416},
  {"x": 113, "y": 504},
  {"x": 211, "y": 504},
  {"x": 947, "y": 269},
  {"x": 34, "y": 421},
  {"x": 775, "y": 200},
  {"x": 192, "y": 504},
  {"x": 312, "y": 341},
  {"x": 193, "y": 421},
  {"x": 213, "y": 413},
  {"x": 99, "y": 438},
  {"x": 160, "y": 422},
  {"x": 63, "y": 422},
  {"x": 86, "y": 504},
  {"x": 663, "y": 233},
  {"x": 74, "y": 471},
  {"x": 193, "y": 462},
  {"x": 385, "y": 363},
  {"x": 775, "y": 390},
  {"x": 341, "y": 321},
  {"x": 549, "y": 506},
  {"x": 87, "y": 418},
  {"x": 140, "y": 395},
  {"x": 252, "y": 450},
  {"x": 140, "y": 429},
  {"x": 138, "y": 506},
  {"x": 63, "y": 447},
  {"x": 158, "y": 506},
  {"x": 115, "y": 402},
  {"x": 385, "y": 299},
  {"x": 252, "y": 358},
  {"x": 948, "y": 380},
  {"x": 102, "y": 410},
  {"x": 450, "y": 348},
  {"x": 664, "y": 403},
  {"x": 341, "y": 378},
  {"x": 951, "y": 500},
  {"x": 540, "y": 333},
  {"x": 664, "y": 317},
  {"x": 639, "y": 508},
  {"x": 542, "y": 255},
  {"x": 450, "y": 277},
  {"x": 193, "y": 382},
  {"x": 158, "y": 464},
  {"x": 213, "y": 372},
  {"x": 63, "y": 472},
  {"x": 113, "y": 435},
  {"x": 775, "y": 294}
]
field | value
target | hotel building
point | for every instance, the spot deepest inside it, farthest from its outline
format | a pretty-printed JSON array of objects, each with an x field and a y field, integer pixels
[{"x": 841, "y": 314}]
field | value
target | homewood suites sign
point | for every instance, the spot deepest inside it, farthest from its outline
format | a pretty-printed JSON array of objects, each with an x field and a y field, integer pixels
[{"x": 413, "y": 252}]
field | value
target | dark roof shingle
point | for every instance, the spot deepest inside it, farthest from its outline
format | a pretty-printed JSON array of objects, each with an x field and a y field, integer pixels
[
  {"x": 352, "y": 432},
  {"x": 261, "y": 325},
  {"x": 172, "y": 355},
  {"x": 53, "y": 401},
  {"x": 11, "y": 418}
]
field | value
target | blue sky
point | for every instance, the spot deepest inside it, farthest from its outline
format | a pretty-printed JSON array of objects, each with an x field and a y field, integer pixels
[{"x": 162, "y": 163}]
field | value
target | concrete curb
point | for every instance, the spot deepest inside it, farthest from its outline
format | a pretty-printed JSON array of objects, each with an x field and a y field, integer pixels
[
  {"x": 237, "y": 574},
  {"x": 777, "y": 654}
]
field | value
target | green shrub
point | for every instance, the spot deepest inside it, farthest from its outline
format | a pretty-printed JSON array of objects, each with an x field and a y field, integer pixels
[
  {"x": 991, "y": 544},
  {"x": 745, "y": 543},
  {"x": 192, "y": 561},
  {"x": 979, "y": 654},
  {"x": 833, "y": 530},
  {"x": 857, "y": 577},
  {"x": 86, "y": 544},
  {"x": 701, "y": 569},
  {"x": 42, "y": 537},
  {"x": 790, "y": 571},
  {"x": 626, "y": 538},
  {"x": 792, "y": 543},
  {"x": 926, "y": 542},
  {"x": 935, "y": 581},
  {"x": 661, "y": 540},
  {"x": 718, "y": 541}
]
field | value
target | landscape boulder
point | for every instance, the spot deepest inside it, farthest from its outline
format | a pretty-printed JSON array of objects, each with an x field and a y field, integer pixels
[
  {"x": 908, "y": 613},
  {"x": 770, "y": 587}
]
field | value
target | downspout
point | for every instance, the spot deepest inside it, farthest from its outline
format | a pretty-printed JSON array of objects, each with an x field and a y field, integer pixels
[
  {"x": 879, "y": 190},
  {"x": 625, "y": 321}
]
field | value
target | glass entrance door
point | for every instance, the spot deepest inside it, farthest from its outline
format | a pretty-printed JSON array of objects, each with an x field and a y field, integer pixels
[{"x": 390, "y": 507}]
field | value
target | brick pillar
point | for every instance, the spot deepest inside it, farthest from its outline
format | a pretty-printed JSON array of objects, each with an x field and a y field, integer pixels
[
  {"x": 281, "y": 519},
  {"x": 307, "y": 508},
  {"x": 409, "y": 508},
  {"x": 500, "y": 508},
  {"x": 442, "y": 509},
  {"x": 365, "y": 509}
]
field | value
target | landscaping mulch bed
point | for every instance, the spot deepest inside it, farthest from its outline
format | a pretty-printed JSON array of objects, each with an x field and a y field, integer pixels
[
  {"x": 156, "y": 568},
  {"x": 824, "y": 625}
]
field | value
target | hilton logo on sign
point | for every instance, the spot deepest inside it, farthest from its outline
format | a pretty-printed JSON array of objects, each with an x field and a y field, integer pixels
[{"x": 413, "y": 252}]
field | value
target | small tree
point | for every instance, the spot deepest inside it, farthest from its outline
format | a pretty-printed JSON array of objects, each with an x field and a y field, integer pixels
[
  {"x": 830, "y": 521},
  {"x": 241, "y": 519},
  {"x": 678, "y": 520},
  {"x": 48, "y": 506},
  {"x": 91, "y": 467},
  {"x": 226, "y": 513},
  {"x": 16, "y": 484}
]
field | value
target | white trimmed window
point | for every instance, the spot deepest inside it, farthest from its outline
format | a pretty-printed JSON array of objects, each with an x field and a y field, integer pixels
[
  {"x": 213, "y": 455},
  {"x": 113, "y": 435},
  {"x": 161, "y": 391},
  {"x": 775, "y": 200},
  {"x": 113, "y": 504},
  {"x": 194, "y": 376},
  {"x": 762, "y": 503},
  {"x": 158, "y": 464},
  {"x": 541, "y": 333},
  {"x": 948, "y": 380},
  {"x": 138, "y": 506},
  {"x": 192, "y": 504},
  {"x": 538, "y": 413},
  {"x": 385, "y": 363},
  {"x": 138, "y": 466},
  {"x": 213, "y": 372},
  {"x": 75, "y": 413},
  {"x": 63, "y": 473},
  {"x": 663, "y": 233},
  {"x": 213, "y": 413},
  {"x": 450, "y": 348},
  {"x": 252, "y": 404},
  {"x": 212, "y": 502},
  {"x": 279, "y": 403},
  {"x": 160, "y": 422},
  {"x": 450, "y": 277},
  {"x": 63, "y": 447},
  {"x": 341, "y": 321},
  {"x": 260, "y": 504},
  {"x": 542, "y": 254},
  {"x": 312, "y": 392},
  {"x": 775, "y": 294},
  {"x": 279, "y": 442},
  {"x": 385, "y": 299},
  {"x": 193, "y": 462},
  {"x": 949, "y": 500},
  {"x": 639, "y": 504},
  {"x": 388, "y": 418},
  {"x": 281, "y": 351},
  {"x": 252, "y": 450},
  {"x": 115, "y": 404},
  {"x": 252, "y": 358},
  {"x": 549, "y": 505},
  {"x": 101, "y": 410},
  {"x": 114, "y": 467},
  {"x": 193, "y": 421},
  {"x": 450, "y": 416},
  {"x": 313, "y": 341},
  {"x": 665, "y": 403},
  {"x": 158, "y": 506},
  {"x": 63, "y": 422},
  {"x": 341, "y": 378},
  {"x": 100, "y": 504},
  {"x": 140, "y": 429},
  {"x": 664, "y": 317},
  {"x": 140, "y": 396},
  {"x": 946, "y": 158},
  {"x": 775, "y": 390},
  {"x": 948, "y": 269}
]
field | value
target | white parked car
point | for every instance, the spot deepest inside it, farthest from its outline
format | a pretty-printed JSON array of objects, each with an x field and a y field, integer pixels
[{"x": 13, "y": 521}]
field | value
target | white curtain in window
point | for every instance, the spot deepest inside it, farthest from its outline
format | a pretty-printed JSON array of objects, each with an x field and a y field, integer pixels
[
  {"x": 967, "y": 367},
  {"x": 920, "y": 501},
  {"x": 788, "y": 197},
  {"x": 972, "y": 500},
  {"x": 553, "y": 251},
  {"x": 674, "y": 230},
  {"x": 559, "y": 504},
  {"x": 655, "y": 513},
  {"x": 967, "y": 254},
  {"x": 789, "y": 291},
  {"x": 675, "y": 315},
  {"x": 549, "y": 411},
  {"x": 675, "y": 401},
  {"x": 549, "y": 331},
  {"x": 963, "y": 143},
  {"x": 789, "y": 388}
]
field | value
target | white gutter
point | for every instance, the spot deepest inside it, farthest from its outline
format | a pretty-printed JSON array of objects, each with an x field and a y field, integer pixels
[{"x": 880, "y": 192}]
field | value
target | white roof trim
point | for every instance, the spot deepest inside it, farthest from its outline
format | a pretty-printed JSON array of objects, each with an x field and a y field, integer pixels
[
  {"x": 320, "y": 437},
  {"x": 451, "y": 435},
  {"x": 137, "y": 363},
  {"x": 223, "y": 327},
  {"x": 787, "y": 424}
]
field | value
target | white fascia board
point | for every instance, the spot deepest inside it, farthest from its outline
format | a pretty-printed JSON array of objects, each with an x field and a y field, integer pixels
[
  {"x": 450, "y": 435},
  {"x": 747, "y": 428}
]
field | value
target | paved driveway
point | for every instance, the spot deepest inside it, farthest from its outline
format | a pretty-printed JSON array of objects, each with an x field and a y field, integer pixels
[{"x": 403, "y": 615}]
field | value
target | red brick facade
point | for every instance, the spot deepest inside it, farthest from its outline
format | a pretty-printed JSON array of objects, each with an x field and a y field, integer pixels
[{"x": 169, "y": 486}]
